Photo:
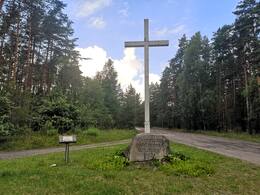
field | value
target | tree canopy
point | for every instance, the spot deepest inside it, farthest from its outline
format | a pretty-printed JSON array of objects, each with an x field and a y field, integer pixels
[{"x": 214, "y": 84}]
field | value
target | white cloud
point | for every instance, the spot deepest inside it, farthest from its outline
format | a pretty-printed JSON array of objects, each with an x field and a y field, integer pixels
[
  {"x": 89, "y": 7},
  {"x": 154, "y": 78},
  {"x": 97, "y": 22},
  {"x": 124, "y": 11},
  {"x": 97, "y": 56},
  {"x": 178, "y": 29},
  {"x": 129, "y": 68}
]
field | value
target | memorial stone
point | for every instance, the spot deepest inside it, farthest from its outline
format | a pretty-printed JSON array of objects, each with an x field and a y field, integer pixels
[{"x": 145, "y": 147}]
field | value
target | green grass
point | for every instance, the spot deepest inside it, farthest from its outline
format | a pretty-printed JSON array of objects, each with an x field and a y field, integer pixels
[
  {"x": 98, "y": 171},
  {"x": 233, "y": 135},
  {"x": 38, "y": 140}
]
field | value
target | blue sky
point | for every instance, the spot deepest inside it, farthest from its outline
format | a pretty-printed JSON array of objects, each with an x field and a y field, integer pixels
[{"x": 102, "y": 26}]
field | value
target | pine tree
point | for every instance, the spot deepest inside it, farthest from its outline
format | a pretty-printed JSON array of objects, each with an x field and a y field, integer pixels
[
  {"x": 111, "y": 89},
  {"x": 156, "y": 114},
  {"x": 130, "y": 108},
  {"x": 247, "y": 50}
]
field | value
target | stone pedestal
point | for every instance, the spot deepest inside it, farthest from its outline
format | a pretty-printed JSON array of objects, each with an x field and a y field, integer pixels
[{"x": 145, "y": 147}]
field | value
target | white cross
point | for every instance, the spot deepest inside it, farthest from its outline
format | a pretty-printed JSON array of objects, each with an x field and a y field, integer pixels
[{"x": 146, "y": 44}]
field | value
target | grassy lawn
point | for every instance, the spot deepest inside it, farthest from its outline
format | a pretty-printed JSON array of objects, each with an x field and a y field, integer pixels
[
  {"x": 100, "y": 171},
  {"x": 37, "y": 140},
  {"x": 233, "y": 135}
]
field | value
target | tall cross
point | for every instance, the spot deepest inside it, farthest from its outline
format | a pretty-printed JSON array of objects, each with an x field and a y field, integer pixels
[{"x": 146, "y": 44}]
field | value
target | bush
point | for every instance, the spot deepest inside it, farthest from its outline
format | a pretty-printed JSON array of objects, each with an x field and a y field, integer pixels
[
  {"x": 63, "y": 124},
  {"x": 5, "y": 106},
  {"x": 6, "y": 129},
  {"x": 57, "y": 113},
  {"x": 49, "y": 129},
  {"x": 20, "y": 116},
  {"x": 92, "y": 132},
  {"x": 51, "y": 132}
]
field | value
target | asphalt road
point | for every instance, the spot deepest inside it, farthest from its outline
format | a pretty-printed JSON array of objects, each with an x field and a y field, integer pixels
[{"x": 244, "y": 150}]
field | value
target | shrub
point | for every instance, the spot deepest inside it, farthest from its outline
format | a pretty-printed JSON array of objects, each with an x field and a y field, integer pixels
[
  {"x": 63, "y": 124},
  {"x": 20, "y": 116},
  {"x": 92, "y": 132},
  {"x": 5, "y": 106},
  {"x": 52, "y": 132},
  {"x": 6, "y": 129},
  {"x": 58, "y": 113},
  {"x": 37, "y": 123}
]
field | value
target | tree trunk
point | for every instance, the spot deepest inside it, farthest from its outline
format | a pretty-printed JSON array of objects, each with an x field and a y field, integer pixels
[
  {"x": 48, "y": 78},
  {"x": 45, "y": 70},
  {"x": 28, "y": 64},
  {"x": 234, "y": 125},
  {"x": 32, "y": 63},
  {"x": 247, "y": 101},
  {"x": 258, "y": 83},
  {"x": 14, "y": 63},
  {"x": 1, "y": 50},
  {"x": 225, "y": 111}
]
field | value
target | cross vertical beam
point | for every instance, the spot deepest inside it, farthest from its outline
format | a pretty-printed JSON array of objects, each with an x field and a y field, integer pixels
[
  {"x": 146, "y": 44},
  {"x": 146, "y": 76}
]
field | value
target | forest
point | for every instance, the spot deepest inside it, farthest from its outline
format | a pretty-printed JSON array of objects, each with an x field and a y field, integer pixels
[
  {"x": 214, "y": 84},
  {"x": 208, "y": 84}
]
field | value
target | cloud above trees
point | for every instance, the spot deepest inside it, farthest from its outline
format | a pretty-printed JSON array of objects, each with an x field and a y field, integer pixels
[
  {"x": 129, "y": 67},
  {"x": 90, "y": 7}
]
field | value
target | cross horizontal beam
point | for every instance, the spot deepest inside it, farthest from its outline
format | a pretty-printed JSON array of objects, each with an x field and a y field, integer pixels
[{"x": 148, "y": 43}]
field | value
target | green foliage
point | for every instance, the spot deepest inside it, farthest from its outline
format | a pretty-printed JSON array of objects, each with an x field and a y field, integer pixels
[
  {"x": 48, "y": 127},
  {"x": 115, "y": 161},
  {"x": 130, "y": 109},
  {"x": 92, "y": 132},
  {"x": 180, "y": 164},
  {"x": 188, "y": 168},
  {"x": 6, "y": 129},
  {"x": 176, "y": 156},
  {"x": 5, "y": 106},
  {"x": 43, "y": 80},
  {"x": 208, "y": 85},
  {"x": 56, "y": 112},
  {"x": 213, "y": 85},
  {"x": 109, "y": 84},
  {"x": 20, "y": 116}
]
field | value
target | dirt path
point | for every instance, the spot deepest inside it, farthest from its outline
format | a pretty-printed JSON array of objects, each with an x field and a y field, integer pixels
[
  {"x": 25, "y": 153},
  {"x": 243, "y": 150}
]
